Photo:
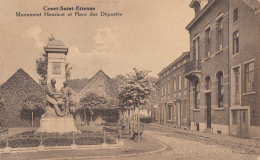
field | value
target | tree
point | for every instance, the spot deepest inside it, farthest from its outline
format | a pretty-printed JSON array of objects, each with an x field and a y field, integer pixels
[
  {"x": 91, "y": 101},
  {"x": 42, "y": 67},
  {"x": 136, "y": 92},
  {"x": 2, "y": 104},
  {"x": 34, "y": 104}
]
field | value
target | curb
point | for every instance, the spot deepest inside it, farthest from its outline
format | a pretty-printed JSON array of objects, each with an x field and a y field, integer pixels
[
  {"x": 81, "y": 147},
  {"x": 118, "y": 156}
]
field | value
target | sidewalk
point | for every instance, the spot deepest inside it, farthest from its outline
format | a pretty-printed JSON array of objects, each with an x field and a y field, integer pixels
[
  {"x": 130, "y": 148},
  {"x": 255, "y": 143}
]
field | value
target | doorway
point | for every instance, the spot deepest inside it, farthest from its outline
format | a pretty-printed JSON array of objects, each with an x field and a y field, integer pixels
[
  {"x": 179, "y": 113},
  {"x": 208, "y": 97},
  {"x": 243, "y": 123},
  {"x": 240, "y": 123}
]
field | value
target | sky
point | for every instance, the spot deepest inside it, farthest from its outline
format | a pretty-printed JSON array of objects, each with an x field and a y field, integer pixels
[{"x": 150, "y": 34}]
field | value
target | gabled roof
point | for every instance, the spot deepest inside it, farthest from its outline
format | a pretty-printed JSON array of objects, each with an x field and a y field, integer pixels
[
  {"x": 20, "y": 74},
  {"x": 14, "y": 91},
  {"x": 110, "y": 84},
  {"x": 99, "y": 72}
]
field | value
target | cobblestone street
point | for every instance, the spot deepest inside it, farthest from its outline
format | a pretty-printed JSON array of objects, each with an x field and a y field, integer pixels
[{"x": 183, "y": 146}]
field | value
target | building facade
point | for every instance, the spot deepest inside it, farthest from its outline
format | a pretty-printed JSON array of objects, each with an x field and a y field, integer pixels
[
  {"x": 208, "y": 70},
  {"x": 172, "y": 99},
  {"x": 222, "y": 69},
  {"x": 244, "y": 47}
]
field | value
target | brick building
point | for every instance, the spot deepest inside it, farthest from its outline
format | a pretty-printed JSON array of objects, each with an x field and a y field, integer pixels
[
  {"x": 208, "y": 70},
  {"x": 224, "y": 40},
  {"x": 222, "y": 70},
  {"x": 244, "y": 47},
  {"x": 172, "y": 94}
]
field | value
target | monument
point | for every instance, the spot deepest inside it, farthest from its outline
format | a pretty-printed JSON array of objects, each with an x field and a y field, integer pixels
[{"x": 57, "y": 117}]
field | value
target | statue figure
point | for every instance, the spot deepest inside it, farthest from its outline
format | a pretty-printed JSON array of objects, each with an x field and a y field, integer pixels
[
  {"x": 53, "y": 97},
  {"x": 66, "y": 93}
]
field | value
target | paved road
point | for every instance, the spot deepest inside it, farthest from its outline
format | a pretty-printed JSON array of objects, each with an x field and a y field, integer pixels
[{"x": 183, "y": 147}]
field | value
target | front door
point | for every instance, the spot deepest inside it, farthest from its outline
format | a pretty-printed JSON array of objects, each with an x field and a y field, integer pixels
[
  {"x": 208, "y": 96},
  {"x": 242, "y": 123}
]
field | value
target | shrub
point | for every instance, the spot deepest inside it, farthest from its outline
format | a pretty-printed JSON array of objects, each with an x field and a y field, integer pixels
[
  {"x": 58, "y": 142},
  {"x": 89, "y": 141},
  {"x": 24, "y": 143}
]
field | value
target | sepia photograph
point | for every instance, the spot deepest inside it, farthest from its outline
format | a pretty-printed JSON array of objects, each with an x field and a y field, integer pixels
[{"x": 130, "y": 79}]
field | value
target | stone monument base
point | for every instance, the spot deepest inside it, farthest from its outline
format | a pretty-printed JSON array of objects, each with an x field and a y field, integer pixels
[{"x": 57, "y": 124}]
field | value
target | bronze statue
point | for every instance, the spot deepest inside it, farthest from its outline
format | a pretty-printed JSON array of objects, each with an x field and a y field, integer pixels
[
  {"x": 54, "y": 99},
  {"x": 66, "y": 93}
]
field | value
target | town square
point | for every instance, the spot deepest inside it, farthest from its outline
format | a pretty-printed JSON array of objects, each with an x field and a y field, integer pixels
[{"x": 114, "y": 79}]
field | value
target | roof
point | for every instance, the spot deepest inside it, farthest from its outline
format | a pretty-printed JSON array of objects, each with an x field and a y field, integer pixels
[
  {"x": 56, "y": 46},
  {"x": 200, "y": 14},
  {"x": 254, "y": 4},
  {"x": 19, "y": 74},
  {"x": 109, "y": 84},
  {"x": 184, "y": 54},
  {"x": 54, "y": 43},
  {"x": 14, "y": 91}
]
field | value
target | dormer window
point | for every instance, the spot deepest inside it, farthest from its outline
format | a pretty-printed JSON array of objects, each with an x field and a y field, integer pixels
[
  {"x": 197, "y": 9},
  {"x": 195, "y": 4}
]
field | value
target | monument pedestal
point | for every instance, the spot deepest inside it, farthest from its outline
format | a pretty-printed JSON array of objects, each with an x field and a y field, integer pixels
[{"x": 57, "y": 124}]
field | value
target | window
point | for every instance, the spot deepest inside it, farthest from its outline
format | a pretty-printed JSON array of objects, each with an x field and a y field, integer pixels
[
  {"x": 168, "y": 87},
  {"x": 162, "y": 89},
  {"x": 185, "y": 82},
  {"x": 196, "y": 7},
  {"x": 196, "y": 48},
  {"x": 174, "y": 84},
  {"x": 235, "y": 15},
  {"x": 179, "y": 82},
  {"x": 220, "y": 89},
  {"x": 207, "y": 83},
  {"x": 170, "y": 111},
  {"x": 237, "y": 84},
  {"x": 236, "y": 42},
  {"x": 207, "y": 43},
  {"x": 174, "y": 111},
  {"x": 220, "y": 26},
  {"x": 196, "y": 94},
  {"x": 184, "y": 110},
  {"x": 165, "y": 88},
  {"x": 250, "y": 83}
]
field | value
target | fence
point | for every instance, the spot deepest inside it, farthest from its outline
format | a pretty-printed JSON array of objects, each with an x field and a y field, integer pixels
[
  {"x": 193, "y": 65},
  {"x": 32, "y": 139}
]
